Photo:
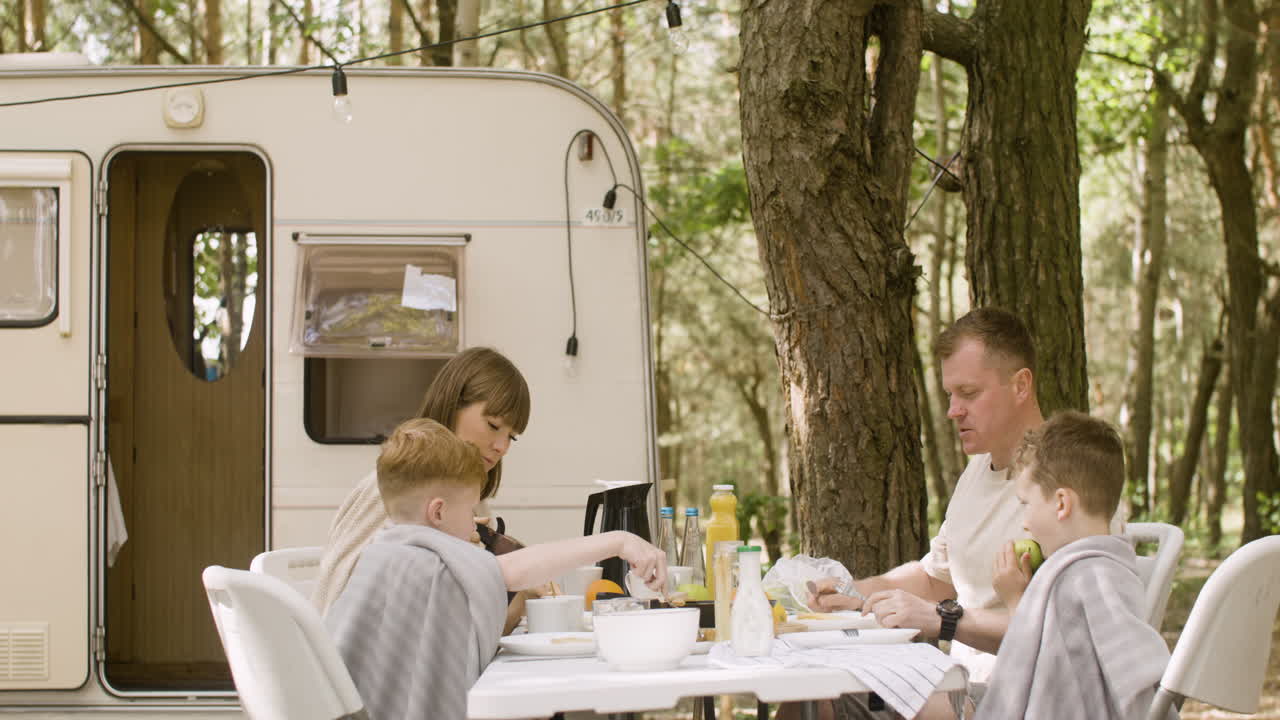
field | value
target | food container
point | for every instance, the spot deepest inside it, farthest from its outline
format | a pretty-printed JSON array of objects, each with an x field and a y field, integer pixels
[{"x": 644, "y": 640}]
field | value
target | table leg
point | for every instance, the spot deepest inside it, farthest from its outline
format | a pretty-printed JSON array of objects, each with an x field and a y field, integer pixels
[
  {"x": 622, "y": 716},
  {"x": 809, "y": 710},
  {"x": 762, "y": 710}
]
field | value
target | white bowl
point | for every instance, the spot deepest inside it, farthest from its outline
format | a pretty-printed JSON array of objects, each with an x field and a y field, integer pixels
[{"x": 643, "y": 640}]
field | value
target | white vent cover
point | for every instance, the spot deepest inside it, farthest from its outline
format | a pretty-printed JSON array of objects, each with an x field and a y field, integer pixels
[{"x": 24, "y": 651}]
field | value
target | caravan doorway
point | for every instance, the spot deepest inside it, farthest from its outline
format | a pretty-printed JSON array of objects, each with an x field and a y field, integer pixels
[{"x": 187, "y": 283}]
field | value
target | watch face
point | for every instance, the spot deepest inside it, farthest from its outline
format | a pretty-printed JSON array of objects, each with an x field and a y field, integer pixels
[{"x": 949, "y": 606}]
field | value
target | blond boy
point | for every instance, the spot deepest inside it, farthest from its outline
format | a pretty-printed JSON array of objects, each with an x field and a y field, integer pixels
[
  {"x": 421, "y": 615},
  {"x": 1077, "y": 644}
]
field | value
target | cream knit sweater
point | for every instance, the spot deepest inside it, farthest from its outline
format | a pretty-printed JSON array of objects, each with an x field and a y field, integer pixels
[{"x": 360, "y": 516}]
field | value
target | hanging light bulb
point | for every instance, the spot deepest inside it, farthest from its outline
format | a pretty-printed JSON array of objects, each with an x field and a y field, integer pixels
[
  {"x": 675, "y": 28},
  {"x": 341, "y": 101}
]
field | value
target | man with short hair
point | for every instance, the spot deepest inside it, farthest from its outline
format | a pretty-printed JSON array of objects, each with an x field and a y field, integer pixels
[{"x": 988, "y": 372}]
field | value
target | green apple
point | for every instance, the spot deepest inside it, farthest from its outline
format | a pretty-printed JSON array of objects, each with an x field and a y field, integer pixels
[
  {"x": 1031, "y": 547},
  {"x": 695, "y": 592}
]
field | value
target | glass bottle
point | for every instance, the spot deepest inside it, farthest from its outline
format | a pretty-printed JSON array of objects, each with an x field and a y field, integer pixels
[
  {"x": 752, "y": 620},
  {"x": 691, "y": 548},
  {"x": 667, "y": 534},
  {"x": 724, "y": 570},
  {"x": 722, "y": 525}
]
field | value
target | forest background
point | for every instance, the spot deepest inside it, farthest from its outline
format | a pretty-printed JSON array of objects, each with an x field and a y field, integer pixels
[{"x": 1106, "y": 169}]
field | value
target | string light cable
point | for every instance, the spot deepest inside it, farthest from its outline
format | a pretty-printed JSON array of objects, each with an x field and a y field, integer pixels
[
  {"x": 335, "y": 64},
  {"x": 571, "y": 347},
  {"x": 608, "y": 204}
]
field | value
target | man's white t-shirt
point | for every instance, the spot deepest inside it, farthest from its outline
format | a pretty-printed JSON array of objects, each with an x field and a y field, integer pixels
[{"x": 984, "y": 513}]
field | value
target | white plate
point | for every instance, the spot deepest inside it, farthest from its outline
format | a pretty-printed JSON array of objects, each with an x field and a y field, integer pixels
[
  {"x": 561, "y": 643},
  {"x": 849, "y": 619},
  {"x": 702, "y": 647},
  {"x": 831, "y": 638}
]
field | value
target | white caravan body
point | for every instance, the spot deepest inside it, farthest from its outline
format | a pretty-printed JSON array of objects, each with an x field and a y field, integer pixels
[{"x": 116, "y": 210}]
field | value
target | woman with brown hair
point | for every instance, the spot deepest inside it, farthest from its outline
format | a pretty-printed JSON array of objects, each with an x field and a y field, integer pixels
[{"x": 481, "y": 396}]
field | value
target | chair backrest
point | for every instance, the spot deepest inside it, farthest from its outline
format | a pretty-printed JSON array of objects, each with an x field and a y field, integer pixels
[
  {"x": 1157, "y": 570},
  {"x": 298, "y": 566},
  {"x": 1221, "y": 655},
  {"x": 284, "y": 664}
]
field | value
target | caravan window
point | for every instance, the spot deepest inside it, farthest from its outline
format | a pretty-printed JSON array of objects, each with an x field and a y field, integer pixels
[
  {"x": 28, "y": 255},
  {"x": 376, "y": 317}
]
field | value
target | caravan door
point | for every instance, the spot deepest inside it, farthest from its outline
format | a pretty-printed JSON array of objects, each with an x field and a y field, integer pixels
[
  {"x": 45, "y": 251},
  {"x": 187, "y": 260}
]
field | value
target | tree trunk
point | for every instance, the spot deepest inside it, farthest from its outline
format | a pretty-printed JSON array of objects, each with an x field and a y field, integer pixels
[
  {"x": 1021, "y": 174},
  {"x": 932, "y": 453},
  {"x": 447, "y": 12},
  {"x": 304, "y": 44},
  {"x": 618, "y": 71},
  {"x": 1148, "y": 267},
  {"x": 468, "y": 25},
  {"x": 35, "y": 25},
  {"x": 556, "y": 37},
  {"x": 1251, "y": 348},
  {"x": 148, "y": 42},
  {"x": 1198, "y": 414},
  {"x": 827, "y": 170},
  {"x": 212, "y": 32},
  {"x": 950, "y": 454},
  {"x": 395, "y": 31},
  {"x": 1216, "y": 492}
]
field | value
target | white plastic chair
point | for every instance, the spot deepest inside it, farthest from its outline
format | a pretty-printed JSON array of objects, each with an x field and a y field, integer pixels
[
  {"x": 1221, "y": 655},
  {"x": 285, "y": 666},
  {"x": 298, "y": 566},
  {"x": 1157, "y": 570}
]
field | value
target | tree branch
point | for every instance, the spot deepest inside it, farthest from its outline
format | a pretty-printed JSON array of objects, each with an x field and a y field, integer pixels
[
  {"x": 150, "y": 27},
  {"x": 423, "y": 33},
  {"x": 1204, "y": 64},
  {"x": 951, "y": 37}
]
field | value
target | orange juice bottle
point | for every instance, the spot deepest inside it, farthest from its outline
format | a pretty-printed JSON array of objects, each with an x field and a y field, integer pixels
[{"x": 721, "y": 526}]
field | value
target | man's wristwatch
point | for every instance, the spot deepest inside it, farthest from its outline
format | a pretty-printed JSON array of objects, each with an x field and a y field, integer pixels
[{"x": 950, "y": 612}]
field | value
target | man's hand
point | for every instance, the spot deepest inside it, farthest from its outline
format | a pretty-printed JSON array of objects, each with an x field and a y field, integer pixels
[
  {"x": 1012, "y": 575},
  {"x": 823, "y": 597},
  {"x": 901, "y": 609}
]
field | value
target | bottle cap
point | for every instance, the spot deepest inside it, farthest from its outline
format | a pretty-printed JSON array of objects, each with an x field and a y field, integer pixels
[
  {"x": 691, "y": 512},
  {"x": 727, "y": 488},
  {"x": 749, "y": 548},
  {"x": 667, "y": 512}
]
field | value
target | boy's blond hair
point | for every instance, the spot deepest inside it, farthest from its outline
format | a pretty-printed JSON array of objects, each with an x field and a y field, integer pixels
[
  {"x": 423, "y": 456},
  {"x": 1073, "y": 450}
]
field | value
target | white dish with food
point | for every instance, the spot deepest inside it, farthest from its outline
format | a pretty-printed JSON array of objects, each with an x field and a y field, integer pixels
[
  {"x": 553, "y": 643},
  {"x": 844, "y": 620}
]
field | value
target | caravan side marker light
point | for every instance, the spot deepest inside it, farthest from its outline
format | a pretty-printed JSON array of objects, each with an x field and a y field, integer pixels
[{"x": 341, "y": 101}]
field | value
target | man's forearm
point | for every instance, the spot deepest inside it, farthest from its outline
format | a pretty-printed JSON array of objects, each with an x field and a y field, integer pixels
[
  {"x": 910, "y": 577},
  {"x": 983, "y": 628}
]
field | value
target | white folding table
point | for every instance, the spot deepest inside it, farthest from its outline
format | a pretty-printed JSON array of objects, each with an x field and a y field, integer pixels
[{"x": 515, "y": 687}]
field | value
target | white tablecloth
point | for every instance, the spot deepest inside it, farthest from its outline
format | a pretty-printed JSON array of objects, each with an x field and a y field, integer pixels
[{"x": 519, "y": 687}]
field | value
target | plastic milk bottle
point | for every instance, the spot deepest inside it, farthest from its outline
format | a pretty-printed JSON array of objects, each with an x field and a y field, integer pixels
[{"x": 752, "y": 616}]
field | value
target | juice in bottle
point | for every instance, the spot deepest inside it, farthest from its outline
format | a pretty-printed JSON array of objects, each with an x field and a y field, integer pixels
[{"x": 721, "y": 526}]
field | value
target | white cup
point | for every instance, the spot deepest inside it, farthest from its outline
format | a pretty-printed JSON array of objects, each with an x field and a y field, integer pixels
[
  {"x": 575, "y": 581},
  {"x": 562, "y": 613},
  {"x": 678, "y": 575}
]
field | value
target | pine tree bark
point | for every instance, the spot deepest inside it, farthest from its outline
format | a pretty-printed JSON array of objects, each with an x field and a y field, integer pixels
[
  {"x": 1148, "y": 267},
  {"x": 1197, "y": 421},
  {"x": 827, "y": 152},
  {"x": 34, "y": 25},
  {"x": 618, "y": 70},
  {"x": 1021, "y": 174}
]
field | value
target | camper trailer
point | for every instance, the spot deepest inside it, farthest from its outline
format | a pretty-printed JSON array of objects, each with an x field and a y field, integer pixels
[{"x": 216, "y": 299}]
